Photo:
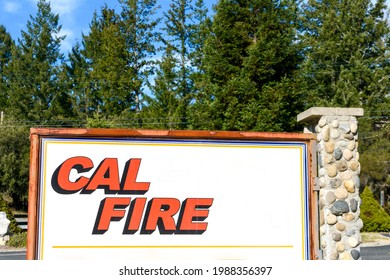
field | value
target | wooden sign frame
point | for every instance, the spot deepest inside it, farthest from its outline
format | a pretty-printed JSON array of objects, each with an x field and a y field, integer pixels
[{"x": 37, "y": 135}]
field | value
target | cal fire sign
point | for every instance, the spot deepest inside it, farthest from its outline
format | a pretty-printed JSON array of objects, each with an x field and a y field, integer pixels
[
  {"x": 169, "y": 198},
  {"x": 159, "y": 211}
]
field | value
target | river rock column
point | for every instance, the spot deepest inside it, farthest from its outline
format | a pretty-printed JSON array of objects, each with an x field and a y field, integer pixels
[{"x": 338, "y": 179}]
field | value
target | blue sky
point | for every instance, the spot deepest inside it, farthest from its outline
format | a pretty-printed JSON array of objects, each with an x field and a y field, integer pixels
[{"x": 75, "y": 15}]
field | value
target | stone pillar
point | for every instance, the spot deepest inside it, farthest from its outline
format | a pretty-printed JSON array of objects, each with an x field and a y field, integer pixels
[{"x": 338, "y": 179}]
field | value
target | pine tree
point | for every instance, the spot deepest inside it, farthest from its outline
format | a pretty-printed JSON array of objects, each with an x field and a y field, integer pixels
[
  {"x": 162, "y": 110},
  {"x": 347, "y": 53},
  {"x": 347, "y": 65},
  {"x": 250, "y": 60},
  {"x": 138, "y": 26},
  {"x": 98, "y": 73},
  {"x": 174, "y": 86},
  {"x": 33, "y": 71},
  {"x": 14, "y": 163},
  {"x": 6, "y": 45}
]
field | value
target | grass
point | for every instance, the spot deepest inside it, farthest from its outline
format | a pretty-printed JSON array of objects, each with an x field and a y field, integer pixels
[{"x": 372, "y": 237}]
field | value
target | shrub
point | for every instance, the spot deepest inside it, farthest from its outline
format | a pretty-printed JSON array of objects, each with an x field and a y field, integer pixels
[
  {"x": 18, "y": 240},
  {"x": 374, "y": 217},
  {"x": 13, "y": 226}
]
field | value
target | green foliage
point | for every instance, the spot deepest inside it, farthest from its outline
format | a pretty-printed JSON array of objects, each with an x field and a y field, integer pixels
[
  {"x": 250, "y": 60},
  {"x": 6, "y": 46},
  {"x": 34, "y": 68},
  {"x": 14, "y": 164},
  {"x": 4, "y": 207},
  {"x": 174, "y": 86},
  {"x": 347, "y": 65},
  {"x": 346, "y": 53},
  {"x": 374, "y": 217},
  {"x": 96, "y": 71},
  {"x": 138, "y": 26},
  {"x": 18, "y": 240}
]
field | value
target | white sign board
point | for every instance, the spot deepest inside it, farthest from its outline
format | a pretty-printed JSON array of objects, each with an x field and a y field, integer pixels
[{"x": 167, "y": 199}]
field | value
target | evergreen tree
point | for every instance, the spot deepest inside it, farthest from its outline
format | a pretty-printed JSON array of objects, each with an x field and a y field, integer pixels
[
  {"x": 374, "y": 217},
  {"x": 6, "y": 45},
  {"x": 14, "y": 163},
  {"x": 138, "y": 26},
  {"x": 174, "y": 85},
  {"x": 346, "y": 53},
  {"x": 99, "y": 77},
  {"x": 162, "y": 110},
  {"x": 250, "y": 59},
  {"x": 347, "y": 65},
  {"x": 33, "y": 71}
]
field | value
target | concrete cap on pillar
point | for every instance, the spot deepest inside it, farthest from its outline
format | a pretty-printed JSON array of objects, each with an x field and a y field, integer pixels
[{"x": 316, "y": 113}]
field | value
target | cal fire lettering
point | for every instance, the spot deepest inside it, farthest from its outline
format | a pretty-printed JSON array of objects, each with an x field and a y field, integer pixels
[
  {"x": 106, "y": 176},
  {"x": 169, "y": 215}
]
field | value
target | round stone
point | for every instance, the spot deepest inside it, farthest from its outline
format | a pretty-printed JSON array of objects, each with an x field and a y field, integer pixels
[
  {"x": 334, "y": 133},
  {"x": 336, "y": 236},
  {"x": 342, "y": 165},
  {"x": 355, "y": 254},
  {"x": 335, "y": 183},
  {"x": 354, "y": 128},
  {"x": 353, "y": 204},
  {"x": 340, "y": 226},
  {"x": 348, "y": 217},
  {"x": 337, "y": 153},
  {"x": 346, "y": 175},
  {"x": 334, "y": 256},
  {"x": 353, "y": 242},
  {"x": 349, "y": 185},
  {"x": 356, "y": 181},
  {"x": 348, "y": 136},
  {"x": 353, "y": 164},
  {"x": 329, "y": 147},
  {"x": 342, "y": 144},
  {"x": 330, "y": 197},
  {"x": 325, "y": 132},
  {"x": 339, "y": 207},
  {"x": 322, "y": 172},
  {"x": 335, "y": 123},
  {"x": 331, "y": 170},
  {"x": 345, "y": 256},
  {"x": 341, "y": 193},
  {"x": 351, "y": 145},
  {"x": 322, "y": 182},
  {"x": 357, "y": 156},
  {"x": 322, "y": 122},
  {"x": 347, "y": 154},
  {"x": 345, "y": 128},
  {"x": 340, "y": 247},
  {"x": 331, "y": 219},
  {"x": 319, "y": 137},
  {"x": 328, "y": 158}
]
